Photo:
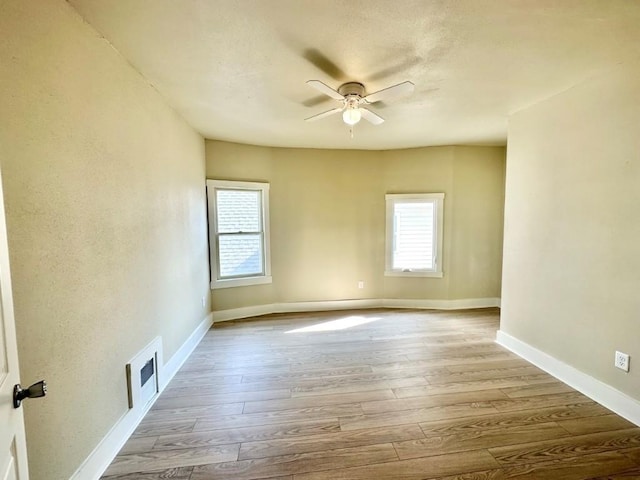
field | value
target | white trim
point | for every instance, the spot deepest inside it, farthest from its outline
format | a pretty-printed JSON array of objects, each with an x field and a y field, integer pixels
[
  {"x": 602, "y": 393},
  {"x": 257, "y": 310},
  {"x": 327, "y": 305},
  {"x": 265, "y": 276},
  {"x": 460, "y": 304},
  {"x": 241, "y": 282},
  {"x": 242, "y": 312},
  {"x": 177, "y": 360},
  {"x": 437, "y": 200},
  {"x": 413, "y": 273},
  {"x": 101, "y": 457}
]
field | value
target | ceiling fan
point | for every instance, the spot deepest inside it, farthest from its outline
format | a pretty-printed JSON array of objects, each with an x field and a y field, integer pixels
[{"x": 354, "y": 100}]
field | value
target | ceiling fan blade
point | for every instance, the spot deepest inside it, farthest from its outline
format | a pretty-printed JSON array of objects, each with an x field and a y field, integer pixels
[
  {"x": 321, "y": 62},
  {"x": 401, "y": 89},
  {"x": 322, "y": 115},
  {"x": 326, "y": 89},
  {"x": 371, "y": 117}
]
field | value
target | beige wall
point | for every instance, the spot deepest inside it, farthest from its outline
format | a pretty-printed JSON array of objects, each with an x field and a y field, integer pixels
[
  {"x": 327, "y": 220},
  {"x": 104, "y": 192},
  {"x": 572, "y": 227},
  {"x": 472, "y": 179}
]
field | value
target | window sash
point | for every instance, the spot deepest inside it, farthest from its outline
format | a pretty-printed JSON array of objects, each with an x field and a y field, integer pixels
[
  {"x": 251, "y": 273},
  {"x": 258, "y": 222}
]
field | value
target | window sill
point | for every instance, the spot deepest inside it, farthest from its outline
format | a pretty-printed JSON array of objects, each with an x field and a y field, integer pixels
[
  {"x": 241, "y": 282},
  {"x": 398, "y": 273}
]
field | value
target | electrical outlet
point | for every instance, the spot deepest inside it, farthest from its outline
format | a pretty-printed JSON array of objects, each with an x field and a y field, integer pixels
[
  {"x": 622, "y": 361},
  {"x": 204, "y": 301},
  {"x": 360, "y": 284}
]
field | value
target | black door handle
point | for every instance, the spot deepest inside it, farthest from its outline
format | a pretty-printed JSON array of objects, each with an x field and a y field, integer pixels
[{"x": 36, "y": 390}]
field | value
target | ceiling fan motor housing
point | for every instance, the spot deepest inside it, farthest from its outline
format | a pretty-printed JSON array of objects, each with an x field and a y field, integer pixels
[{"x": 351, "y": 88}]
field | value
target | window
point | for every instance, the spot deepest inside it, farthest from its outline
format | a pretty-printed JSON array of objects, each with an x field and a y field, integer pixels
[
  {"x": 414, "y": 234},
  {"x": 238, "y": 233}
]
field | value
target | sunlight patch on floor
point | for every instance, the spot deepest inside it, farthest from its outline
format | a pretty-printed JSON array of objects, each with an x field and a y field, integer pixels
[{"x": 339, "y": 324}]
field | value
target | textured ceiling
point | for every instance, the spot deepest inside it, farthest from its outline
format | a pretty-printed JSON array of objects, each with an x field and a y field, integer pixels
[{"x": 236, "y": 69}]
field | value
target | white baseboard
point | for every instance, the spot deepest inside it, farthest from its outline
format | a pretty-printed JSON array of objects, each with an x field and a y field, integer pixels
[
  {"x": 461, "y": 304},
  {"x": 293, "y": 307},
  {"x": 177, "y": 360},
  {"x": 327, "y": 305},
  {"x": 97, "y": 462},
  {"x": 243, "y": 312},
  {"x": 604, "y": 394}
]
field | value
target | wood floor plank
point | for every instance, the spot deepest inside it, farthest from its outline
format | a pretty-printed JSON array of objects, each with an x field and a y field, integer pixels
[
  {"x": 305, "y": 374},
  {"x": 485, "y": 348},
  {"x": 414, "y": 469},
  {"x": 352, "y": 386},
  {"x": 256, "y": 419},
  {"x": 195, "y": 400},
  {"x": 440, "y": 360},
  {"x": 571, "y": 468},
  {"x": 588, "y": 410},
  {"x": 520, "y": 391},
  {"x": 458, "y": 387},
  {"x": 411, "y": 403},
  {"x": 478, "y": 439},
  {"x": 138, "y": 445},
  {"x": 190, "y": 412},
  {"x": 489, "y": 364},
  {"x": 296, "y": 463},
  {"x": 509, "y": 419},
  {"x": 164, "y": 428},
  {"x": 568, "y": 447},
  {"x": 329, "y": 441},
  {"x": 200, "y": 369},
  {"x": 411, "y": 394},
  {"x": 633, "y": 454},
  {"x": 322, "y": 362},
  {"x": 317, "y": 400},
  {"x": 627, "y": 474},
  {"x": 468, "y": 376},
  {"x": 496, "y": 474},
  {"x": 418, "y": 415},
  {"x": 180, "y": 381},
  {"x": 542, "y": 401},
  {"x": 235, "y": 366},
  {"x": 601, "y": 423},
  {"x": 246, "y": 434},
  {"x": 201, "y": 390},
  {"x": 180, "y": 473},
  {"x": 141, "y": 462}
]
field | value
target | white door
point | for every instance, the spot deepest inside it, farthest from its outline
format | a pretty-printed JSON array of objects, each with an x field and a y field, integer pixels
[{"x": 13, "y": 447}]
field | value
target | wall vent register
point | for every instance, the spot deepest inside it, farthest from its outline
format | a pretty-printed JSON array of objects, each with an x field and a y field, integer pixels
[{"x": 143, "y": 383}]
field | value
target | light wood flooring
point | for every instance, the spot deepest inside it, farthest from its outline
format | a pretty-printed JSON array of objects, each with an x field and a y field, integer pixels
[{"x": 404, "y": 394}]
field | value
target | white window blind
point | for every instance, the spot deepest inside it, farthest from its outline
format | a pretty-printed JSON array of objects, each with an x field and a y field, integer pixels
[
  {"x": 413, "y": 245},
  {"x": 414, "y": 234}
]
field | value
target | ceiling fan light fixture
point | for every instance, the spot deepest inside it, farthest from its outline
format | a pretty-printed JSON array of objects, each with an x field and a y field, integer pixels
[{"x": 351, "y": 115}]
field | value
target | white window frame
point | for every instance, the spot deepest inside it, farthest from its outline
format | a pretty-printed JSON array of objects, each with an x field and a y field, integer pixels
[
  {"x": 437, "y": 199},
  {"x": 216, "y": 281}
]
